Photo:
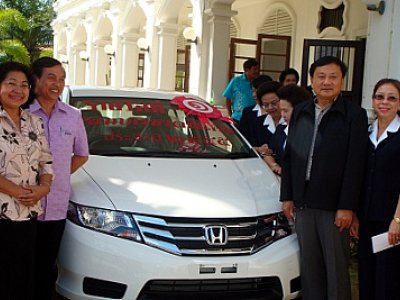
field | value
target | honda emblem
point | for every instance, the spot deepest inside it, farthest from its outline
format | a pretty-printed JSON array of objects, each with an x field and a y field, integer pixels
[{"x": 216, "y": 235}]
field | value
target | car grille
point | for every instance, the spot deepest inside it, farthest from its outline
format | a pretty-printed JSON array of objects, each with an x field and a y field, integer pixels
[
  {"x": 190, "y": 236},
  {"x": 263, "y": 288}
]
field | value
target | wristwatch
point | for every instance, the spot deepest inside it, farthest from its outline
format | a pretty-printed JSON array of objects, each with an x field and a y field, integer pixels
[{"x": 397, "y": 220}]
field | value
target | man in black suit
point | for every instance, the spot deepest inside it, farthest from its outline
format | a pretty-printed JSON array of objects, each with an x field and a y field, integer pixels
[{"x": 322, "y": 174}]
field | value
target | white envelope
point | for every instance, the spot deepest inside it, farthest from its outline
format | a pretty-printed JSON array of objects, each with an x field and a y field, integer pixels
[{"x": 380, "y": 242}]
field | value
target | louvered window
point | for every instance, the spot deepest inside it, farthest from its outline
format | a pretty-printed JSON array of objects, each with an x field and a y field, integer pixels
[{"x": 278, "y": 22}]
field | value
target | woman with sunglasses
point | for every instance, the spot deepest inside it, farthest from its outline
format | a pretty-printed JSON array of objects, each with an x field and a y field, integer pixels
[
  {"x": 25, "y": 177},
  {"x": 380, "y": 203}
]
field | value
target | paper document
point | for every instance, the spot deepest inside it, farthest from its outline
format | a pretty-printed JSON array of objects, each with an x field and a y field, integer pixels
[{"x": 380, "y": 242}]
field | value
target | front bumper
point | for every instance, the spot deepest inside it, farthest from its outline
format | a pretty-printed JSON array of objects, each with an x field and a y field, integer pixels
[{"x": 88, "y": 258}]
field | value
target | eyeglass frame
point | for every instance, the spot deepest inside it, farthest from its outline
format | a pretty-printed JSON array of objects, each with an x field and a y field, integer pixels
[
  {"x": 380, "y": 97},
  {"x": 14, "y": 85},
  {"x": 272, "y": 104}
]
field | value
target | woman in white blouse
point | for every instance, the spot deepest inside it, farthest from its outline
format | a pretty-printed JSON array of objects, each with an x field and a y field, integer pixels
[
  {"x": 380, "y": 202},
  {"x": 25, "y": 178}
]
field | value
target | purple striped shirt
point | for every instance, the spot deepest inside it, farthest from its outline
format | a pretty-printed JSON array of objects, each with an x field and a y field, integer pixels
[{"x": 66, "y": 135}]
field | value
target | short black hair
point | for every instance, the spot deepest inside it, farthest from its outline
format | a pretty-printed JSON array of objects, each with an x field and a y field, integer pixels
[
  {"x": 12, "y": 66},
  {"x": 287, "y": 72},
  {"x": 256, "y": 82},
  {"x": 251, "y": 62},
  {"x": 42, "y": 63},
  {"x": 266, "y": 88},
  {"x": 294, "y": 94},
  {"x": 327, "y": 60}
]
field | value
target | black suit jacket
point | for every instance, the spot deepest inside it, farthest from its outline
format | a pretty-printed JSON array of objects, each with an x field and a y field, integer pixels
[
  {"x": 277, "y": 143},
  {"x": 382, "y": 181},
  {"x": 338, "y": 161},
  {"x": 248, "y": 125}
]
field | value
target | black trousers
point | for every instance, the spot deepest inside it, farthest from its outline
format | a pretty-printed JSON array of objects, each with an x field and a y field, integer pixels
[
  {"x": 378, "y": 272},
  {"x": 17, "y": 252},
  {"x": 49, "y": 234}
]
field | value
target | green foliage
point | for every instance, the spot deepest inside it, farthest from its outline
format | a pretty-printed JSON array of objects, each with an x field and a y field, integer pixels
[
  {"x": 13, "y": 50},
  {"x": 29, "y": 22},
  {"x": 46, "y": 52}
]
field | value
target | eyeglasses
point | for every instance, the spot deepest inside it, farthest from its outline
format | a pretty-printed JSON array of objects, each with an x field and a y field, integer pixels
[
  {"x": 380, "y": 97},
  {"x": 13, "y": 85},
  {"x": 272, "y": 104}
]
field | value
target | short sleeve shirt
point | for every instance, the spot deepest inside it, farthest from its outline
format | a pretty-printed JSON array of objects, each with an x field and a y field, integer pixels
[
  {"x": 240, "y": 92},
  {"x": 24, "y": 157},
  {"x": 66, "y": 134}
]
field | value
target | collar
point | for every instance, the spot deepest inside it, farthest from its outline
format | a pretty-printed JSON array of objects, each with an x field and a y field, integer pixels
[
  {"x": 337, "y": 105},
  {"x": 35, "y": 106},
  {"x": 4, "y": 113},
  {"x": 244, "y": 77},
  {"x": 393, "y": 127},
  {"x": 257, "y": 108},
  {"x": 269, "y": 122},
  {"x": 282, "y": 121}
]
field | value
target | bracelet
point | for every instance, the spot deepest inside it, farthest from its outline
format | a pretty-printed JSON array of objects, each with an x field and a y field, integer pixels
[
  {"x": 45, "y": 183},
  {"x": 397, "y": 220}
]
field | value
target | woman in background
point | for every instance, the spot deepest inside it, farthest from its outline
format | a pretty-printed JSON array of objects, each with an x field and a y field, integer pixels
[
  {"x": 289, "y": 95},
  {"x": 25, "y": 177},
  {"x": 270, "y": 117}
]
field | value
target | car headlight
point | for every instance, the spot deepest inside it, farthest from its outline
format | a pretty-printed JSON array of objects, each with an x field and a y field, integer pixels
[
  {"x": 116, "y": 223},
  {"x": 271, "y": 228}
]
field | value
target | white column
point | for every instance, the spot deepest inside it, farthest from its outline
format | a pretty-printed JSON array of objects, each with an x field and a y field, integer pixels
[
  {"x": 116, "y": 60},
  {"x": 382, "y": 50},
  {"x": 78, "y": 65},
  {"x": 214, "y": 52},
  {"x": 130, "y": 56},
  {"x": 151, "y": 57},
  {"x": 167, "y": 56},
  {"x": 102, "y": 63},
  {"x": 70, "y": 55},
  {"x": 90, "y": 66}
]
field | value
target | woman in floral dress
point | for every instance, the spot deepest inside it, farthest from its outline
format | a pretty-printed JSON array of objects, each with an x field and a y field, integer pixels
[{"x": 25, "y": 177}]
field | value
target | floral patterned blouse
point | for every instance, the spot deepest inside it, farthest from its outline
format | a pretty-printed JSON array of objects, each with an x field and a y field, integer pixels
[{"x": 24, "y": 156}]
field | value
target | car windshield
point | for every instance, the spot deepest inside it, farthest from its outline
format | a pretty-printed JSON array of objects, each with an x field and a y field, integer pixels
[{"x": 160, "y": 128}]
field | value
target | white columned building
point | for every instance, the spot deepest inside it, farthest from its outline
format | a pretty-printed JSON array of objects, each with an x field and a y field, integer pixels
[
  {"x": 167, "y": 34},
  {"x": 129, "y": 53},
  {"x": 382, "y": 51},
  {"x": 101, "y": 63},
  {"x": 82, "y": 25},
  {"x": 218, "y": 27}
]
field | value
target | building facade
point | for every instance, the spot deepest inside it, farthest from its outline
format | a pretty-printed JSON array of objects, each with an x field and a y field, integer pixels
[{"x": 197, "y": 45}]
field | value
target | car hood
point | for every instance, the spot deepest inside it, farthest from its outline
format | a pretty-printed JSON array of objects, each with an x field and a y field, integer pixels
[{"x": 202, "y": 188}]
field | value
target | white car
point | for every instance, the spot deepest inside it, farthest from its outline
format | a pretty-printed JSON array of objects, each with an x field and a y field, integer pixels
[{"x": 172, "y": 204}]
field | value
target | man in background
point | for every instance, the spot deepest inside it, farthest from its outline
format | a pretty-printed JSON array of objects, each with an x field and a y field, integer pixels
[{"x": 239, "y": 92}]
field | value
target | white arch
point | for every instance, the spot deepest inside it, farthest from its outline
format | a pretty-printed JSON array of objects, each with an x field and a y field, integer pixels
[
  {"x": 79, "y": 35},
  {"x": 283, "y": 6},
  {"x": 134, "y": 21},
  {"x": 62, "y": 42}
]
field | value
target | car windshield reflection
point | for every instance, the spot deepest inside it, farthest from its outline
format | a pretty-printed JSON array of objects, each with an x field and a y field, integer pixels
[{"x": 160, "y": 128}]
